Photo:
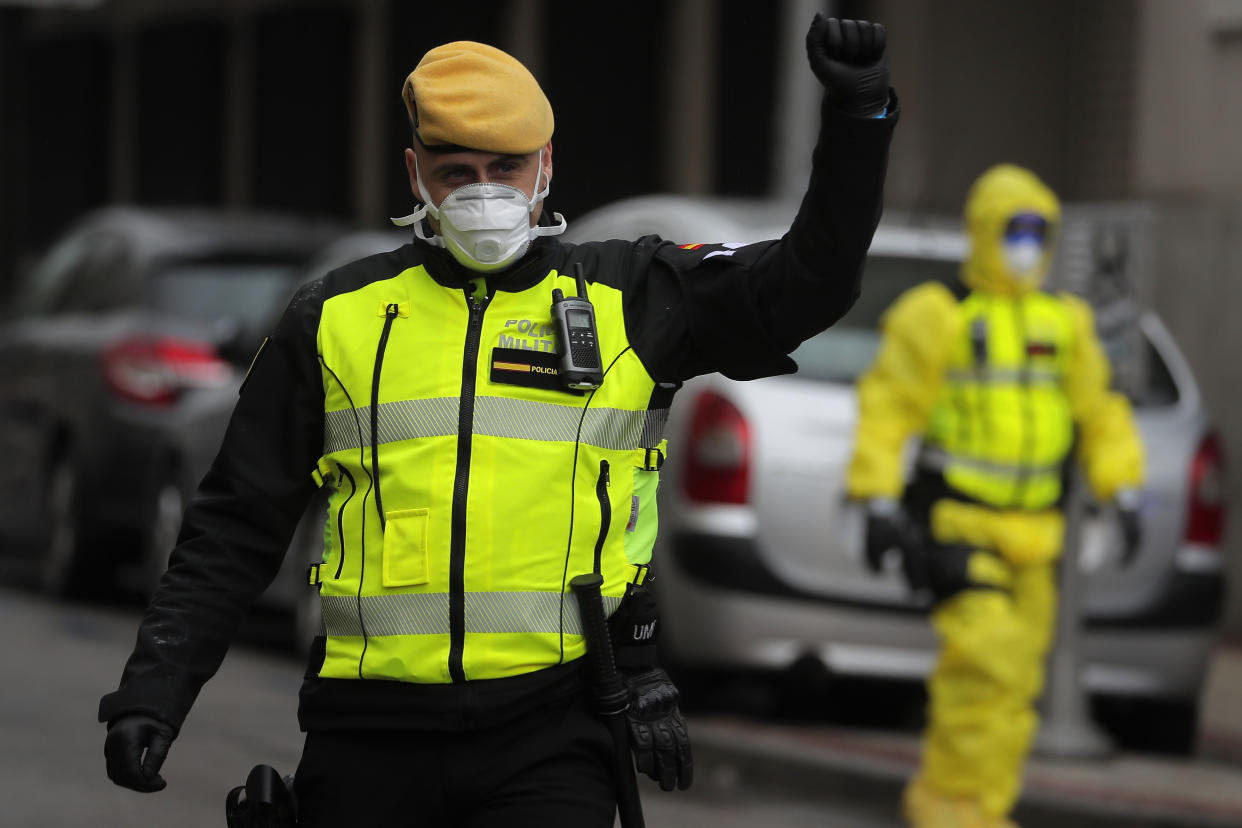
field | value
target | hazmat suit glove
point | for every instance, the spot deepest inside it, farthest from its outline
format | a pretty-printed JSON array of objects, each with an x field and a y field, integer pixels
[
  {"x": 658, "y": 734},
  {"x": 890, "y": 530},
  {"x": 885, "y": 530},
  {"x": 850, "y": 59},
  {"x": 135, "y": 748},
  {"x": 1126, "y": 503}
]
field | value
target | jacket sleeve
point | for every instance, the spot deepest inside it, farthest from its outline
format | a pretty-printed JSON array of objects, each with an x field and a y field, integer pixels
[
  {"x": 1109, "y": 447},
  {"x": 896, "y": 394},
  {"x": 740, "y": 309},
  {"x": 237, "y": 526}
]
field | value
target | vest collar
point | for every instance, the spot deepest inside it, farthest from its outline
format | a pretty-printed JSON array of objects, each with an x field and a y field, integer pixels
[{"x": 526, "y": 272}]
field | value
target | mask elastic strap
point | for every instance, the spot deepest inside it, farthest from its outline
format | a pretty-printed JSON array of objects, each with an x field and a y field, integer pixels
[
  {"x": 552, "y": 230},
  {"x": 540, "y": 195},
  {"x": 428, "y": 207},
  {"x": 416, "y": 218}
]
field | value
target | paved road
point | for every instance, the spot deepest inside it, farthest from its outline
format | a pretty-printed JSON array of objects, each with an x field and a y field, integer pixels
[{"x": 60, "y": 659}]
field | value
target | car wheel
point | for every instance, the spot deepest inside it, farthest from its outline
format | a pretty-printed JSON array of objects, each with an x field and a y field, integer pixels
[
  {"x": 65, "y": 571},
  {"x": 161, "y": 535}
]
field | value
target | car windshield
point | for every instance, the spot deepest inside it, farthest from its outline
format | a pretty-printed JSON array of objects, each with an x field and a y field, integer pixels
[
  {"x": 245, "y": 292},
  {"x": 845, "y": 350}
]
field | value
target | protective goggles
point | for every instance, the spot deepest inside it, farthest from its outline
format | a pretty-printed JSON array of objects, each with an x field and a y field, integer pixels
[{"x": 1025, "y": 226}]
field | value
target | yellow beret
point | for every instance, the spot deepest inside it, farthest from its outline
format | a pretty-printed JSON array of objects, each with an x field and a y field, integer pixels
[{"x": 467, "y": 95}]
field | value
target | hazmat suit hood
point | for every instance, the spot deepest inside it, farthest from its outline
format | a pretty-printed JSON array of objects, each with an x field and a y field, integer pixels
[{"x": 998, "y": 196}]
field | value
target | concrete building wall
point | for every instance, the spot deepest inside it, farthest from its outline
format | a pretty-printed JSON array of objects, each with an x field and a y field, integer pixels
[
  {"x": 1049, "y": 86},
  {"x": 1189, "y": 126},
  {"x": 1188, "y": 130}
]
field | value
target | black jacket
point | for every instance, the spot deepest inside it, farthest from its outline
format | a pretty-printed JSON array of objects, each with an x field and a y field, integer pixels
[{"x": 688, "y": 311}]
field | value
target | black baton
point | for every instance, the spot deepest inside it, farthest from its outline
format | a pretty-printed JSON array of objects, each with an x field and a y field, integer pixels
[{"x": 611, "y": 698}]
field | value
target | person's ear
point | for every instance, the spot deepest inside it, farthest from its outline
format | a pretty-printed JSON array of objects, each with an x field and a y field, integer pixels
[{"x": 411, "y": 167}]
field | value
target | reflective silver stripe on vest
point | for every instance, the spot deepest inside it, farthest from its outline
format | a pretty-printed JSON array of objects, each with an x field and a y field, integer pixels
[
  {"x": 1003, "y": 376},
  {"x": 937, "y": 459},
  {"x": 607, "y": 428},
  {"x": 427, "y": 613},
  {"x": 436, "y": 417}
]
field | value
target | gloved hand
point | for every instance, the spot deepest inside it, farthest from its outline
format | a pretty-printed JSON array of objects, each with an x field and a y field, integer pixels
[
  {"x": 886, "y": 528},
  {"x": 850, "y": 60},
  {"x": 889, "y": 528},
  {"x": 1127, "y": 505},
  {"x": 658, "y": 734},
  {"x": 135, "y": 748}
]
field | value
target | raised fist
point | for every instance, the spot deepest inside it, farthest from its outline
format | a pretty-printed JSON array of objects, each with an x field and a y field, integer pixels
[{"x": 850, "y": 60}]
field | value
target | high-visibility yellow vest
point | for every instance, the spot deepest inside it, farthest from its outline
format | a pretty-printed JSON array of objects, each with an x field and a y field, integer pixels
[
  {"x": 1002, "y": 424},
  {"x": 468, "y": 488}
]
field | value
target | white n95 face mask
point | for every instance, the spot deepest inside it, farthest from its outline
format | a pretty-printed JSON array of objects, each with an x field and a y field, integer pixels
[
  {"x": 485, "y": 226},
  {"x": 1023, "y": 256}
]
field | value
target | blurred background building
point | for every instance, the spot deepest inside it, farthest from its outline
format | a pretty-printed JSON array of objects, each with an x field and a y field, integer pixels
[{"x": 294, "y": 105}]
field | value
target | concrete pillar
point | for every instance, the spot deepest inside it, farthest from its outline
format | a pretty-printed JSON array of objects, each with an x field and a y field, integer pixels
[
  {"x": 798, "y": 98},
  {"x": 524, "y": 33},
  {"x": 1066, "y": 729},
  {"x": 689, "y": 103},
  {"x": 371, "y": 56}
]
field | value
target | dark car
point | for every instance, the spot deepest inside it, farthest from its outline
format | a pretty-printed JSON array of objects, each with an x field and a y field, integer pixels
[{"x": 119, "y": 366}]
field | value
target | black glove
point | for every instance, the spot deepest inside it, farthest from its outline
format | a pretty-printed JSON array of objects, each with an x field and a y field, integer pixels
[
  {"x": 849, "y": 58},
  {"x": 889, "y": 529},
  {"x": 135, "y": 749},
  {"x": 886, "y": 529},
  {"x": 658, "y": 734},
  {"x": 1127, "y": 504}
]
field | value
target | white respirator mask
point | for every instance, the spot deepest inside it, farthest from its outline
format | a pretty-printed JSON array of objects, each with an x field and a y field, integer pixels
[
  {"x": 1023, "y": 256},
  {"x": 485, "y": 226}
]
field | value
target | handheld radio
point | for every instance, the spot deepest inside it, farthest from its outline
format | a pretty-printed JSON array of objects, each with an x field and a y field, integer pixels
[{"x": 581, "y": 368}]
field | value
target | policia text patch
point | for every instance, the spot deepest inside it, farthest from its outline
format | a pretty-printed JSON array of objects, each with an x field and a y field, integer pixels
[{"x": 530, "y": 369}]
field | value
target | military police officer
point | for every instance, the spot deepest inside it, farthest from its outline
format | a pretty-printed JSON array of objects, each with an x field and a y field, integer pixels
[{"x": 476, "y": 461}]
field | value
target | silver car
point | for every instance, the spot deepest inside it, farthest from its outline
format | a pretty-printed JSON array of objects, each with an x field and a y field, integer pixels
[{"x": 759, "y": 563}]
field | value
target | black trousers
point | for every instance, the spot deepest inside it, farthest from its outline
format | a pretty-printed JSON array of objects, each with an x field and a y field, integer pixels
[{"x": 550, "y": 767}]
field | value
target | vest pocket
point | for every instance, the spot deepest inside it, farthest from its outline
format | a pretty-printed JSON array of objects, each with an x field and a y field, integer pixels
[
  {"x": 643, "y": 520},
  {"x": 642, "y": 523},
  {"x": 405, "y": 548}
]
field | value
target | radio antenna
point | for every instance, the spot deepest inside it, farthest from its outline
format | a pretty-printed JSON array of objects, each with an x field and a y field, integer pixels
[{"x": 580, "y": 279}]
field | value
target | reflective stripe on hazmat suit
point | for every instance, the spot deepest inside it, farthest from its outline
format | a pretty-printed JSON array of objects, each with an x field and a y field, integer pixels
[{"x": 1000, "y": 386}]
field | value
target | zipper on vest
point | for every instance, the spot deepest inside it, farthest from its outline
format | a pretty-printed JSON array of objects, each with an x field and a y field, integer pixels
[
  {"x": 605, "y": 512},
  {"x": 390, "y": 313},
  {"x": 340, "y": 518},
  {"x": 461, "y": 486}
]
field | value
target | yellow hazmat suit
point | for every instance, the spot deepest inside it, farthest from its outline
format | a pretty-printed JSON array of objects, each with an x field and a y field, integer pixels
[{"x": 1000, "y": 386}]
